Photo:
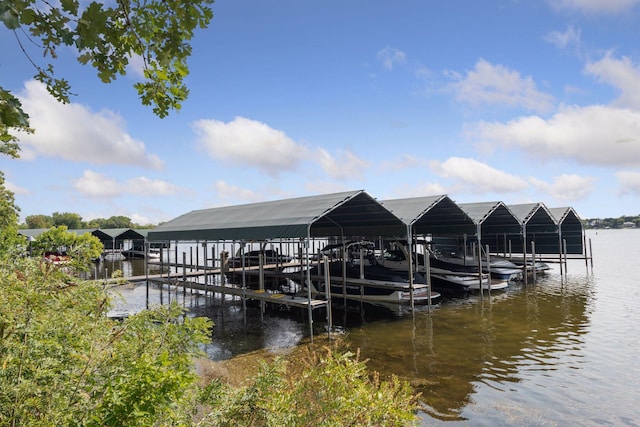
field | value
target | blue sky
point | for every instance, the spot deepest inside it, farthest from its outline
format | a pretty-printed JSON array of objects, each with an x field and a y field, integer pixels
[{"x": 509, "y": 100}]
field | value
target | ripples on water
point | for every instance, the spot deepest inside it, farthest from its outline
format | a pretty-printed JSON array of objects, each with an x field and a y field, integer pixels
[{"x": 560, "y": 352}]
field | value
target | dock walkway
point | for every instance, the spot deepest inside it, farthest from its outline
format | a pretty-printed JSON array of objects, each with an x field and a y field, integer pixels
[{"x": 255, "y": 294}]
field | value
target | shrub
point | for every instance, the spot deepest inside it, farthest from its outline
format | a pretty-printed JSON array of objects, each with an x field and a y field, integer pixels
[
  {"x": 323, "y": 388},
  {"x": 64, "y": 362}
]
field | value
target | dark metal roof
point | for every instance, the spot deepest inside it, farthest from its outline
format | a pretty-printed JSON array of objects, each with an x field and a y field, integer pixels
[
  {"x": 105, "y": 234},
  {"x": 352, "y": 213},
  {"x": 492, "y": 217},
  {"x": 121, "y": 233},
  {"x": 436, "y": 215},
  {"x": 535, "y": 218},
  {"x": 565, "y": 214},
  {"x": 571, "y": 229}
]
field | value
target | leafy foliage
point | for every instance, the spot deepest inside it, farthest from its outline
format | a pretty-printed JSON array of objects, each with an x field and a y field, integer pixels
[
  {"x": 619, "y": 222},
  {"x": 107, "y": 36},
  {"x": 81, "y": 248},
  {"x": 8, "y": 208},
  {"x": 11, "y": 117},
  {"x": 39, "y": 221},
  {"x": 72, "y": 221},
  {"x": 64, "y": 362},
  {"x": 75, "y": 221},
  {"x": 327, "y": 388}
]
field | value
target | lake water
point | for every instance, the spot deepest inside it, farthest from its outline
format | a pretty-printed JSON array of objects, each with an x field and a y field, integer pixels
[{"x": 565, "y": 351}]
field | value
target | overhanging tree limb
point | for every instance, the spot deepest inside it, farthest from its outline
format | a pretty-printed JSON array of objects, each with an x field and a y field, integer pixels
[{"x": 159, "y": 31}]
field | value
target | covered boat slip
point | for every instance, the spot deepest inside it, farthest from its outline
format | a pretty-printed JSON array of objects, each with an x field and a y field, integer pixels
[
  {"x": 304, "y": 222},
  {"x": 113, "y": 239},
  {"x": 515, "y": 231},
  {"x": 337, "y": 216}
]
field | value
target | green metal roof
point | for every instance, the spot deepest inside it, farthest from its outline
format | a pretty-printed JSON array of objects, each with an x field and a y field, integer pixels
[
  {"x": 121, "y": 233},
  {"x": 32, "y": 232},
  {"x": 565, "y": 214},
  {"x": 352, "y": 213},
  {"x": 535, "y": 217},
  {"x": 492, "y": 217},
  {"x": 104, "y": 234},
  {"x": 571, "y": 229},
  {"x": 436, "y": 215}
]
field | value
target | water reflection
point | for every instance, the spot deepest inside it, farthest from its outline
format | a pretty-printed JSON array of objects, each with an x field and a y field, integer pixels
[
  {"x": 560, "y": 352},
  {"x": 240, "y": 327},
  {"x": 469, "y": 342},
  {"x": 447, "y": 353},
  {"x": 129, "y": 268}
]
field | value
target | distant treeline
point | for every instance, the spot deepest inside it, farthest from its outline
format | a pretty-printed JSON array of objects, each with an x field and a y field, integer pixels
[
  {"x": 74, "y": 221},
  {"x": 620, "y": 222}
]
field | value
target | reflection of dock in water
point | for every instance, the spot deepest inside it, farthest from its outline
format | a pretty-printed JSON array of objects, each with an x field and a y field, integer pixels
[{"x": 182, "y": 279}]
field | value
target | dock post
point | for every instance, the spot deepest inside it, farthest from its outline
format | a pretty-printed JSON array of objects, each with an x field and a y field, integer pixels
[
  {"x": 175, "y": 257},
  {"x": 146, "y": 273},
  {"x": 488, "y": 271},
  {"x": 564, "y": 249},
  {"x": 560, "y": 256},
  {"x": 184, "y": 276},
  {"x": 301, "y": 262},
  {"x": 584, "y": 245},
  {"x": 308, "y": 282},
  {"x": 533, "y": 261},
  {"x": 479, "y": 270},
  {"x": 427, "y": 273},
  {"x": 224, "y": 265},
  {"x": 191, "y": 263},
  {"x": 327, "y": 293},
  {"x": 524, "y": 259},
  {"x": 504, "y": 244},
  {"x": 197, "y": 256},
  {"x": 261, "y": 279},
  {"x": 204, "y": 266}
]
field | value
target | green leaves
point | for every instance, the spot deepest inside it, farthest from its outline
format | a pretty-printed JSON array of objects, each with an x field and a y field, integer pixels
[
  {"x": 322, "y": 388},
  {"x": 9, "y": 14},
  {"x": 106, "y": 38},
  {"x": 12, "y": 117},
  {"x": 64, "y": 362}
]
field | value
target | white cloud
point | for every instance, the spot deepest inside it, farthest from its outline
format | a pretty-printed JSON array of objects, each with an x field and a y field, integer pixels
[
  {"x": 595, "y": 135},
  {"x": 228, "y": 194},
  {"x": 472, "y": 175},
  {"x": 136, "y": 67},
  {"x": 567, "y": 187},
  {"x": 621, "y": 74},
  {"x": 390, "y": 57},
  {"x": 16, "y": 189},
  {"x": 74, "y": 132},
  {"x": 325, "y": 187},
  {"x": 498, "y": 85},
  {"x": 406, "y": 161},
  {"x": 249, "y": 142},
  {"x": 571, "y": 37},
  {"x": 419, "y": 190},
  {"x": 94, "y": 184},
  {"x": 594, "y": 6},
  {"x": 144, "y": 186},
  {"x": 141, "y": 219},
  {"x": 629, "y": 182},
  {"x": 345, "y": 167}
]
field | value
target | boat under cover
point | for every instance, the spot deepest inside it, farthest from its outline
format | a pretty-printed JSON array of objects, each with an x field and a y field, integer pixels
[{"x": 371, "y": 283}]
